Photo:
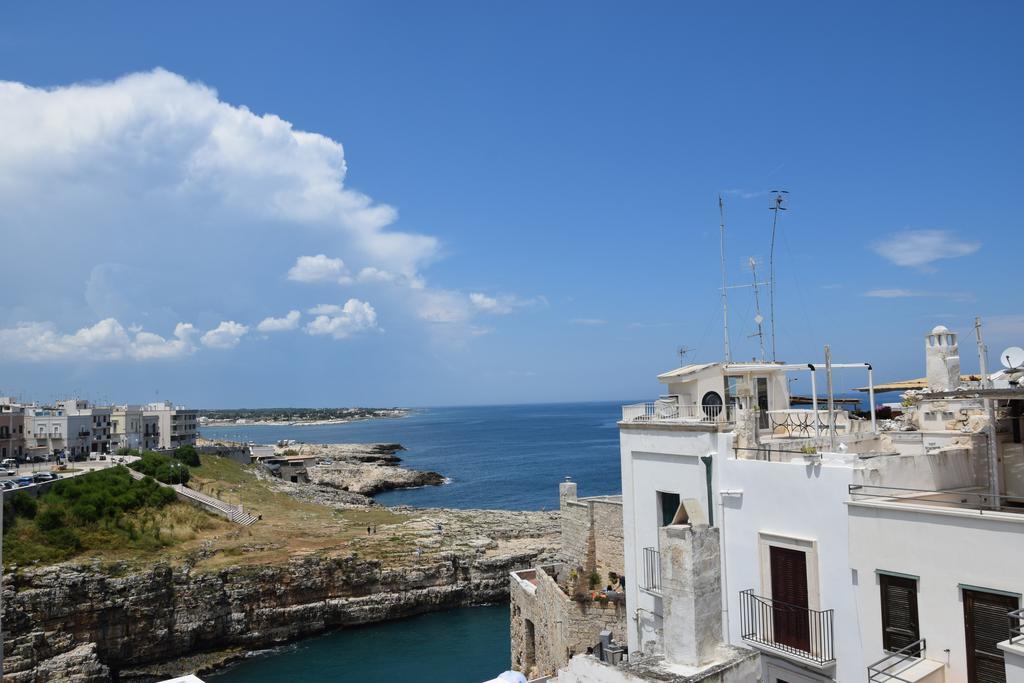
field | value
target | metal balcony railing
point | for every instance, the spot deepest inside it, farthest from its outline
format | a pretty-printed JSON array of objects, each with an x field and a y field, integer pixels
[
  {"x": 888, "y": 668},
  {"x": 670, "y": 410},
  {"x": 651, "y": 579},
  {"x": 792, "y": 630},
  {"x": 1016, "y": 625}
]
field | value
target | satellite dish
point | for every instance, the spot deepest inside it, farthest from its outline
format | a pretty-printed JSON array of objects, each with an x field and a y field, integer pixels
[{"x": 1012, "y": 358}]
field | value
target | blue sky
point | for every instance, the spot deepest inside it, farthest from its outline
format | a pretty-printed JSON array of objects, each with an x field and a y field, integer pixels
[{"x": 552, "y": 172}]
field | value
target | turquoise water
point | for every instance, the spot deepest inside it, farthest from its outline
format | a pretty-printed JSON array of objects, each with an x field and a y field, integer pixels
[
  {"x": 499, "y": 457},
  {"x": 508, "y": 457},
  {"x": 466, "y": 645}
]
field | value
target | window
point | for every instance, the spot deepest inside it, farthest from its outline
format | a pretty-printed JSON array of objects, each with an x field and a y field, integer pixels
[
  {"x": 985, "y": 625},
  {"x": 712, "y": 404},
  {"x": 668, "y": 507},
  {"x": 899, "y": 611}
]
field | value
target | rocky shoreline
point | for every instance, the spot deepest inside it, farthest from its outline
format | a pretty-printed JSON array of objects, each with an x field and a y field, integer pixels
[
  {"x": 87, "y": 623},
  {"x": 363, "y": 469}
]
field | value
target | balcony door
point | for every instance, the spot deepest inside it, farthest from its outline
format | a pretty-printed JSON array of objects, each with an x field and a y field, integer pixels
[
  {"x": 789, "y": 598},
  {"x": 985, "y": 624}
]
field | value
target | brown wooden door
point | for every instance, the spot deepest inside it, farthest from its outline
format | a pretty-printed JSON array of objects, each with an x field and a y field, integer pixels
[
  {"x": 789, "y": 598},
  {"x": 985, "y": 624}
]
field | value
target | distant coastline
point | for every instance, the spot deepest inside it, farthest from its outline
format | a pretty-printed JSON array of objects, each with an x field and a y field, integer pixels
[{"x": 292, "y": 417}]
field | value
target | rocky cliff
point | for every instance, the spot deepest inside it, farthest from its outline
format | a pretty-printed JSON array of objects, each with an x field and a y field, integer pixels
[{"x": 85, "y": 623}]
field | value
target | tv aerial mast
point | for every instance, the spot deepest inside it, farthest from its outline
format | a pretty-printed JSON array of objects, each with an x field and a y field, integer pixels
[
  {"x": 725, "y": 289},
  {"x": 758, "y": 318},
  {"x": 779, "y": 198}
]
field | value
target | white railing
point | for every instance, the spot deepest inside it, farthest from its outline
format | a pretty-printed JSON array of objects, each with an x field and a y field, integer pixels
[{"x": 668, "y": 410}]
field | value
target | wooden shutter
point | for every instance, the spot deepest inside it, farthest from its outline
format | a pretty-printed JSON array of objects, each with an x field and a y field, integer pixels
[
  {"x": 789, "y": 598},
  {"x": 899, "y": 611},
  {"x": 985, "y": 624}
]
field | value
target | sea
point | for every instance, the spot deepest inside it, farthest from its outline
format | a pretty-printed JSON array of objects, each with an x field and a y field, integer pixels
[{"x": 496, "y": 457}]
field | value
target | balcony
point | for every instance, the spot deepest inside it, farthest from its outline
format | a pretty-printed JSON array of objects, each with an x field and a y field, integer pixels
[
  {"x": 671, "y": 411},
  {"x": 906, "y": 665},
  {"x": 793, "y": 631},
  {"x": 651, "y": 579}
]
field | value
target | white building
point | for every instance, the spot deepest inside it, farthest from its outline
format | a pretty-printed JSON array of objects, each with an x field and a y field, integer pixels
[
  {"x": 132, "y": 428},
  {"x": 879, "y": 551},
  {"x": 176, "y": 425},
  {"x": 95, "y": 428}
]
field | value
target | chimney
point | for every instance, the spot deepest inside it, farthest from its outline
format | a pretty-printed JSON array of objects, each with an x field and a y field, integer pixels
[
  {"x": 691, "y": 586},
  {"x": 942, "y": 359}
]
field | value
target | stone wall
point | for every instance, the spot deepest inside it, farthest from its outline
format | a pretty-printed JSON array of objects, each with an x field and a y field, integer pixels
[
  {"x": 548, "y": 627},
  {"x": 606, "y": 516},
  {"x": 591, "y": 530}
]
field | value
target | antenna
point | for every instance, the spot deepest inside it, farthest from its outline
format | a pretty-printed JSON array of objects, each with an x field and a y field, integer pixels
[
  {"x": 778, "y": 200},
  {"x": 759, "y": 319},
  {"x": 682, "y": 351},
  {"x": 725, "y": 294}
]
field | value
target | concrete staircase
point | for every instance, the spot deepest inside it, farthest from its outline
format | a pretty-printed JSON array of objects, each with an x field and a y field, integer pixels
[{"x": 235, "y": 513}]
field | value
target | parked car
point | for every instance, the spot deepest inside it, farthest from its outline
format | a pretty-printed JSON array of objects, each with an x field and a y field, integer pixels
[
  {"x": 10, "y": 471},
  {"x": 44, "y": 476},
  {"x": 7, "y": 484},
  {"x": 26, "y": 480}
]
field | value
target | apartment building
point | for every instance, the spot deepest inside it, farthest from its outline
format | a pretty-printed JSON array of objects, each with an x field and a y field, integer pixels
[
  {"x": 12, "y": 429},
  {"x": 132, "y": 427},
  {"x": 176, "y": 425}
]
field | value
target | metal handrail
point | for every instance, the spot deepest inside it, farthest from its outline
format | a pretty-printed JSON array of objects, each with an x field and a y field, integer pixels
[
  {"x": 914, "y": 650},
  {"x": 1016, "y": 625},
  {"x": 982, "y": 500},
  {"x": 758, "y": 625},
  {"x": 666, "y": 410},
  {"x": 652, "y": 571}
]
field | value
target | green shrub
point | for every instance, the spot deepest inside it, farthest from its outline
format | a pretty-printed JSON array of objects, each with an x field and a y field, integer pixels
[
  {"x": 187, "y": 455},
  {"x": 100, "y": 510},
  {"x": 51, "y": 518},
  {"x": 162, "y": 468},
  {"x": 124, "y": 450},
  {"x": 64, "y": 539},
  {"x": 594, "y": 580},
  {"x": 24, "y": 505}
]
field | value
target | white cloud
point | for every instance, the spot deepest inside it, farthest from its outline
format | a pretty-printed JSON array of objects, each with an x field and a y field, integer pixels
[
  {"x": 588, "y": 321},
  {"x": 919, "y": 248},
  {"x": 898, "y": 293},
  {"x": 325, "y": 309},
  {"x": 289, "y": 322},
  {"x": 107, "y": 340},
  {"x": 225, "y": 336},
  {"x": 371, "y": 274},
  {"x": 442, "y": 306},
  {"x": 342, "y": 322},
  {"x": 893, "y": 293},
  {"x": 489, "y": 304},
  {"x": 319, "y": 268},
  {"x": 501, "y": 305},
  {"x": 151, "y": 165}
]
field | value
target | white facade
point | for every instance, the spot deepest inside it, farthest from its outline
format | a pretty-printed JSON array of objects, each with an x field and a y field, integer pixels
[
  {"x": 176, "y": 425},
  {"x": 909, "y": 506}
]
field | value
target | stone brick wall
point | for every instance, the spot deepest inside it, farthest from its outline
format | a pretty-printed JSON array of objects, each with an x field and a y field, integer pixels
[
  {"x": 607, "y": 531},
  {"x": 561, "y": 626},
  {"x": 591, "y": 530},
  {"x": 577, "y": 537}
]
